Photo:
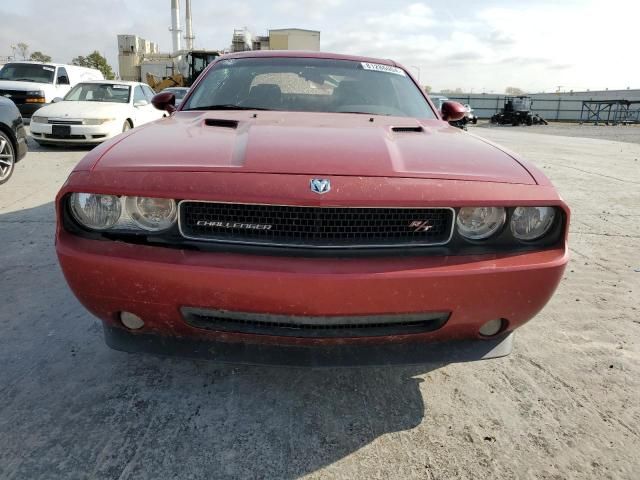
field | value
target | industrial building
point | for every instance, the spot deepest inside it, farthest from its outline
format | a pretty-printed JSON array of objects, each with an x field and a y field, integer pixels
[
  {"x": 132, "y": 50},
  {"x": 278, "y": 39},
  {"x": 140, "y": 59},
  {"x": 294, "y": 39}
]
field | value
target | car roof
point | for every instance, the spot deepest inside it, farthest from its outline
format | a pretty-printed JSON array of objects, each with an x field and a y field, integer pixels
[
  {"x": 117, "y": 82},
  {"x": 306, "y": 54},
  {"x": 48, "y": 64}
]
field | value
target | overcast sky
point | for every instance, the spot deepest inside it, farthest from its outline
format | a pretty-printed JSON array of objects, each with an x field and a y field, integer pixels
[{"x": 472, "y": 44}]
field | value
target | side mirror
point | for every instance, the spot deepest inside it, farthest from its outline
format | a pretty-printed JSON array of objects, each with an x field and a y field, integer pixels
[
  {"x": 165, "y": 101},
  {"x": 452, "y": 111},
  {"x": 140, "y": 103},
  {"x": 56, "y": 100}
]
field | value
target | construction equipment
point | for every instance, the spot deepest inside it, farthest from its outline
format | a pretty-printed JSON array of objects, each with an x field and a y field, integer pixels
[
  {"x": 190, "y": 66},
  {"x": 158, "y": 84},
  {"x": 197, "y": 61},
  {"x": 517, "y": 111}
]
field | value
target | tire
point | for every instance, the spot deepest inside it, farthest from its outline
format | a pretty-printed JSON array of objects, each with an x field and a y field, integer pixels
[
  {"x": 126, "y": 126},
  {"x": 7, "y": 158}
]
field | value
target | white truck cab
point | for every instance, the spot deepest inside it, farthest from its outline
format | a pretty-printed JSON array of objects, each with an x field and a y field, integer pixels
[{"x": 30, "y": 85}]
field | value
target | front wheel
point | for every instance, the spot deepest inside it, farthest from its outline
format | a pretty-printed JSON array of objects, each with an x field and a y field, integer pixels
[{"x": 7, "y": 158}]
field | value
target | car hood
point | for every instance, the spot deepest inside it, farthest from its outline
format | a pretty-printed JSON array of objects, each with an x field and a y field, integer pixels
[
  {"x": 312, "y": 144},
  {"x": 22, "y": 86},
  {"x": 82, "y": 109}
]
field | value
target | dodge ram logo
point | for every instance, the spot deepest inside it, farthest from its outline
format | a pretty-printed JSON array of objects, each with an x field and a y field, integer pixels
[{"x": 320, "y": 186}]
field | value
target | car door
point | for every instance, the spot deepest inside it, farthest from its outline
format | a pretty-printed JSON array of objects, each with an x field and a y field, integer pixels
[
  {"x": 144, "y": 111},
  {"x": 153, "y": 111}
]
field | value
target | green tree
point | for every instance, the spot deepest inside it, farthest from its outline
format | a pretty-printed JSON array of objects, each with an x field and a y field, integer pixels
[
  {"x": 40, "y": 57},
  {"x": 23, "y": 50},
  {"x": 514, "y": 91},
  {"x": 95, "y": 60},
  {"x": 449, "y": 91}
]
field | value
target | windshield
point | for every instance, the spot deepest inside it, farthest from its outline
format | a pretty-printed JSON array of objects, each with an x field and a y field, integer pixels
[
  {"x": 309, "y": 85},
  {"x": 99, "y": 92},
  {"x": 27, "y": 72}
]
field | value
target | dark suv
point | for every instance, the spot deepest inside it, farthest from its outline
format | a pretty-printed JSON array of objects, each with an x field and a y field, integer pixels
[{"x": 13, "y": 138}]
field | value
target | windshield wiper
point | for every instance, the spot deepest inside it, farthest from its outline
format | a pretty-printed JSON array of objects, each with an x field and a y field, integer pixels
[{"x": 225, "y": 107}]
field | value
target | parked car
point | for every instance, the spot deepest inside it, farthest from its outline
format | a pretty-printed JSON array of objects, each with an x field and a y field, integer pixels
[
  {"x": 179, "y": 92},
  {"x": 30, "y": 85},
  {"x": 13, "y": 139},
  {"x": 469, "y": 115},
  {"x": 314, "y": 209},
  {"x": 93, "y": 112}
]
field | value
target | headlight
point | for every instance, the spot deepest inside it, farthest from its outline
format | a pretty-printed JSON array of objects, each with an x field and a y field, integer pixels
[
  {"x": 35, "y": 119},
  {"x": 153, "y": 214},
  {"x": 97, "y": 121},
  {"x": 95, "y": 211},
  {"x": 531, "y": 223},
  {"x": 35, "y": 96},
  {"x": 478, "y": 223}
]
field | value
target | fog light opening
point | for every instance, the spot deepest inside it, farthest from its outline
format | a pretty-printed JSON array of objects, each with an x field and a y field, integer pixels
[
  {"x": 493, "y": 327},
  {"x": 131, "y": 321}
]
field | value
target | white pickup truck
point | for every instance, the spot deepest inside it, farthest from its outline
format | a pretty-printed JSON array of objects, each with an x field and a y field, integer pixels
[{"x": 30, "y": 85}]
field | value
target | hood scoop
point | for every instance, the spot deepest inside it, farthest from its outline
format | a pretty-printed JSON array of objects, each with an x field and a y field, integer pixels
[
  {"x": 216, "y": 122},
  {"x": 417, "y": 129}
]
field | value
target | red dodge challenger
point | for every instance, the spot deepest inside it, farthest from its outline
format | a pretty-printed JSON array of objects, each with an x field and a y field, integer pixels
[{"x": 310, "y": 209}]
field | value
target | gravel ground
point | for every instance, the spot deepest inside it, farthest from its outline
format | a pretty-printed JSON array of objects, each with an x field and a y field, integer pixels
[
  {"x": 563, "y": 405},
  {"x": 618, "y": 133}
]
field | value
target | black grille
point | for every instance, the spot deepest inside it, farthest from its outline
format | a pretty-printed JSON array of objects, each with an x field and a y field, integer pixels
[
  {"x": 407, "y": 129},
  {"x": 314, "y": 327},
  {"x": 17, "y": 96},
  {"x": 64, "y": 122},
  {"x": 329, "y": 227},
  {"x": 64, "y": 137}
]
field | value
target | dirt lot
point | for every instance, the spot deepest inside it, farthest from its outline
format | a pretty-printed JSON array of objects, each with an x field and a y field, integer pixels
[
  {"x": 564, "y": 405},
  {"x": 619, "y": 133}
]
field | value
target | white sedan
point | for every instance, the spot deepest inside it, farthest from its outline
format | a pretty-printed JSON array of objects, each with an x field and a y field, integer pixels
[{"x": 94, "y": 111}]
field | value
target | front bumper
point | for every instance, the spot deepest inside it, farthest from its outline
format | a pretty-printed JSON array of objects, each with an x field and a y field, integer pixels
[
  {"x": 21, "y": 142},
  {"x": 156, "y": 283},
  {"x": 28, "y": 109},
  {"x": 80, "y": 134},
  {"x": 332, "y": 355}
]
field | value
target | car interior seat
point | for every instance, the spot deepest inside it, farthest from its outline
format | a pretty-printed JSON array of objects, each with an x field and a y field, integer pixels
[
  {"x": 349, "y": 93},
  {"x": 266, "y": 95}
]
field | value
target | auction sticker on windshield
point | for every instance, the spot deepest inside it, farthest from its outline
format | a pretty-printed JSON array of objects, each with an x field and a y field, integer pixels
[{"x": 377, "y": 67}]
